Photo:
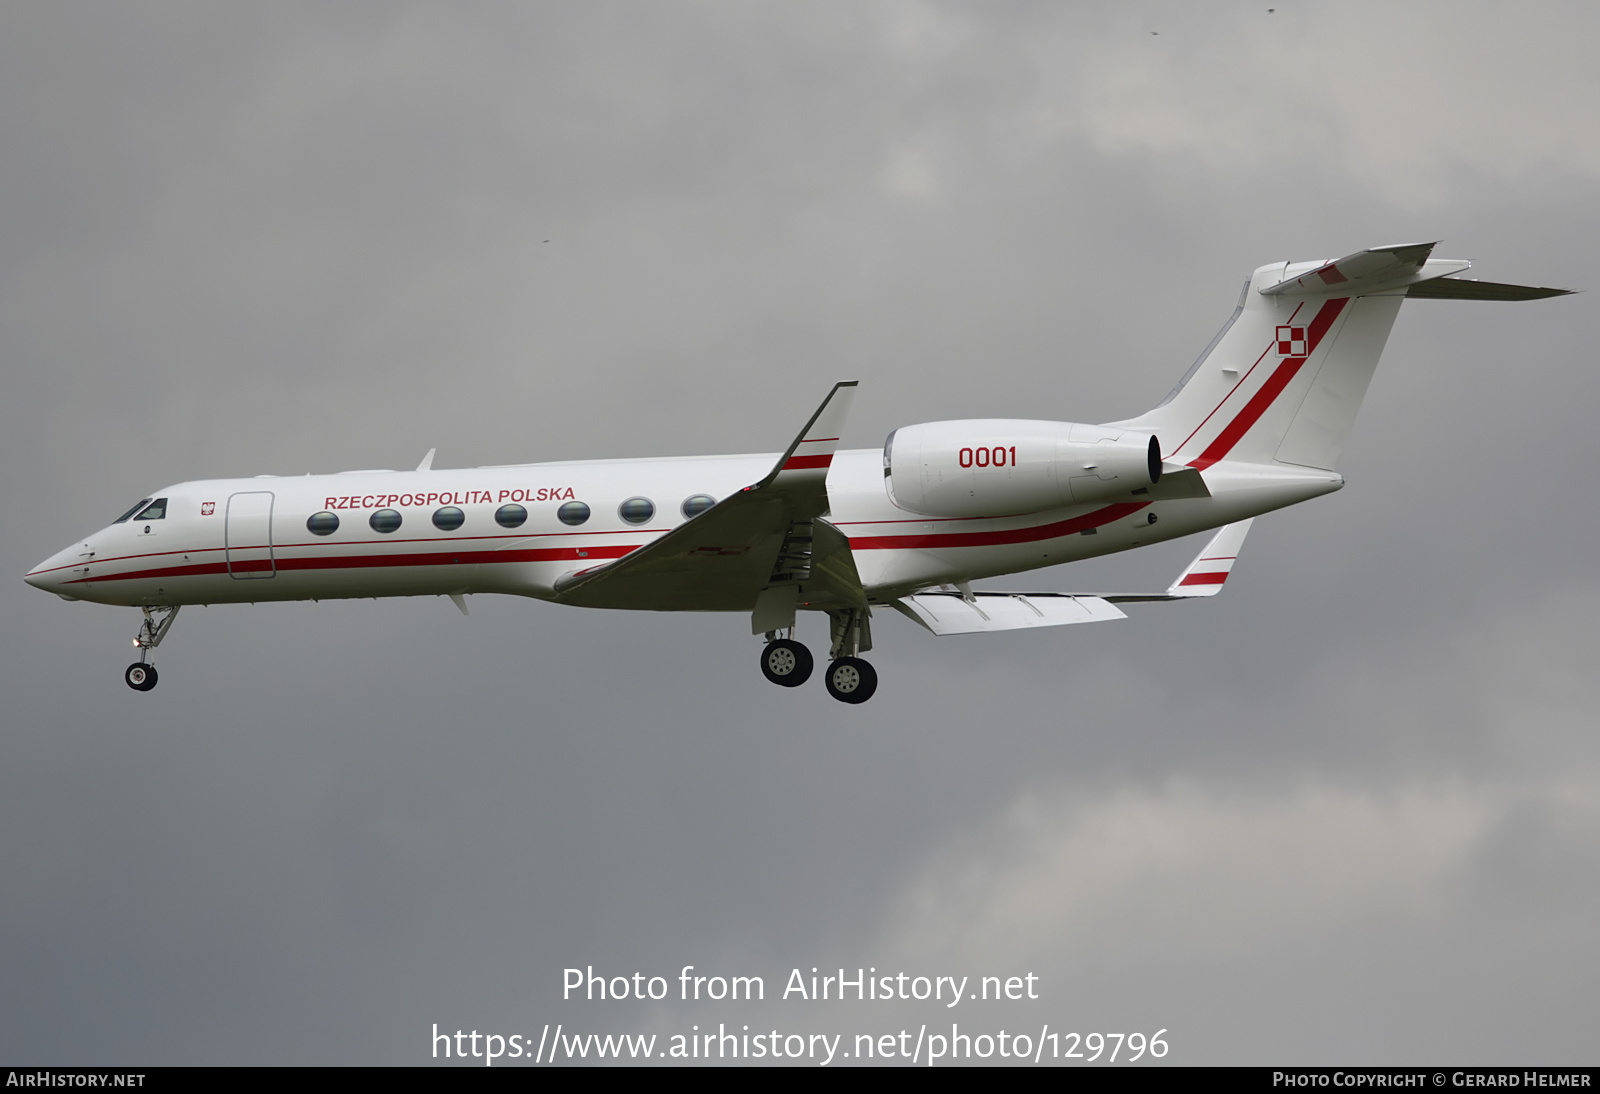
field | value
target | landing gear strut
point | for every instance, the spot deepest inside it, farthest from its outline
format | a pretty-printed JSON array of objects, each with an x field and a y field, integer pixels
[
  {"x": 141, "y": 675},
  {"x": 850, "y": 679}
]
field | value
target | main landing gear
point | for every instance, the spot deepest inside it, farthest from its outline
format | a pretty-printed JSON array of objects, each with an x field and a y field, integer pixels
[
  {"x": 848, "y": 678},
  {"x": 786, "y": 663},
  {"x": 851, "y": 680},
  {"x": 141, "y": 675}
]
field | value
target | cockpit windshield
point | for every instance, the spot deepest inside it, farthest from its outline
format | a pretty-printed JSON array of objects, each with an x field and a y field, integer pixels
[
  {"x": 135, "y": 509},
  {"x": 156, "y": 510}
]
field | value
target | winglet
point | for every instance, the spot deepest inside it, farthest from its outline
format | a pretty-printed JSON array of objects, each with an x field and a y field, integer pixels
[
  {"x": 1209, "y": 570},
  {"x": 427, "y": 461},
  {"x": 806, "y": 461}
]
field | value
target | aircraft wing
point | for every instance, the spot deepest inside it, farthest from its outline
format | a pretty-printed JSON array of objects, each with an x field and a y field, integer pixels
[
  {"x": 974, "y": 612},
  {"x": 767, "y": 536},
  {"x": 955, "y": 613}
]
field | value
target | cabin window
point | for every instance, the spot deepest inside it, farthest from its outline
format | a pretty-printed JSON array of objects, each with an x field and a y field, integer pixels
[
  {"x": 636, "y": 510},
  {"x": 132, "y": 511},
  {"x": 449, "y": 518},
  {"x": 323, "y": 524},
  {"x": 156, "y": 510},
  {"x": 697, "y": 504},
  {"x": 385, "y": 521},
  {"x": 574, "y": 513},
  {"x": 511, "y": 516}
]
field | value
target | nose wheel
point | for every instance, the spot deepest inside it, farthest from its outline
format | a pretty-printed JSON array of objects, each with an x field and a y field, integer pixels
[{"x": 141, "y": 677}]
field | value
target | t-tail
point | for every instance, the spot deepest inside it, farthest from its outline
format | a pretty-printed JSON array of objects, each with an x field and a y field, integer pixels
[{"x": 1282, "y": 381}]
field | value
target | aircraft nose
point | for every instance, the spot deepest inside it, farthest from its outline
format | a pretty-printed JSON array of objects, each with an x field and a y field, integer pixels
[{"x": 54, "y": 572}]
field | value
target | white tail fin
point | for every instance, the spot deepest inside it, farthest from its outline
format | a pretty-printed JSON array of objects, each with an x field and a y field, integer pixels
[{"x": 1283, "y": 380}]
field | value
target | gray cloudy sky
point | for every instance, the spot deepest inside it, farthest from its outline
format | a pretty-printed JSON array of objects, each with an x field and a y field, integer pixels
[{"x": 1347, "y": 812}]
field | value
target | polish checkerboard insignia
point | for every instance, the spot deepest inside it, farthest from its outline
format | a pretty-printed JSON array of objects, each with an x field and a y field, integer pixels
[{"x": 1291, "y": 341}]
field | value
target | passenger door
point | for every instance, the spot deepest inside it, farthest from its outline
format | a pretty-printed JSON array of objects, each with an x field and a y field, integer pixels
[{"x": 249, "y": 535}]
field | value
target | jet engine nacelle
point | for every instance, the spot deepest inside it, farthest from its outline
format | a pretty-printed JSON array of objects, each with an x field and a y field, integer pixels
[{"x": 990, "y": 467}]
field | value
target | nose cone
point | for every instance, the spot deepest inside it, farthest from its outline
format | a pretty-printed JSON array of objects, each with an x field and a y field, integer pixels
[{"x": 53, "y": 574}]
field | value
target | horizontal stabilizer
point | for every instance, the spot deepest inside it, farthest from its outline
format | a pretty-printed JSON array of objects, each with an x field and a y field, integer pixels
[
  {"x": 952, "y": 613},
  {"x": 1378, "y": 269},
  {"x": 1451, "y": 288}
]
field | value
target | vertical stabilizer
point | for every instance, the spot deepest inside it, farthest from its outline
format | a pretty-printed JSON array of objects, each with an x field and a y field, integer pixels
[{"x": 1284, "y": 379}]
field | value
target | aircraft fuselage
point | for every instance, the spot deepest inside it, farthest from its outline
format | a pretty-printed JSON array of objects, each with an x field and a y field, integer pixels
[{"x": 247, "y": 540}]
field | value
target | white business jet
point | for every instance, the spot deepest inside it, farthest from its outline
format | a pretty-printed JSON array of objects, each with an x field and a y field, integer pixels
[{"x": 1255, "y": 424}]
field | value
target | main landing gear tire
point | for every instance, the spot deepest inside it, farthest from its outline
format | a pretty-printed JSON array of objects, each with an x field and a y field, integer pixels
[
  {"x": 141, "y": 677},
  {"x": 786, "y": 663},
  {"x": 851, "y": 680}
]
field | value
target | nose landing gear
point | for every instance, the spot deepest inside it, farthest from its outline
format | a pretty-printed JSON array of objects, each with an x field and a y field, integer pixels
[{"x": 141, "y": 675}]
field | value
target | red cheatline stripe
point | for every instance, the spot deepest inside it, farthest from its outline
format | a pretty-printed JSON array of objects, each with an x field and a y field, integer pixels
[
  {"x": 993, "y": 539},
  {"x": 1096, "y": 519},
  {"x": 361, "y": 562},
  {"x": 313, "y": 543},
  {"x": 124, "y": 558},
  {"x": 802, "y": 463},
  {"x": 1331, "y": 275},
  {"x": 905, "y": 520},
  {"x": 1204, "y": 579},
  {"x": 1269, "y": 391}
]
